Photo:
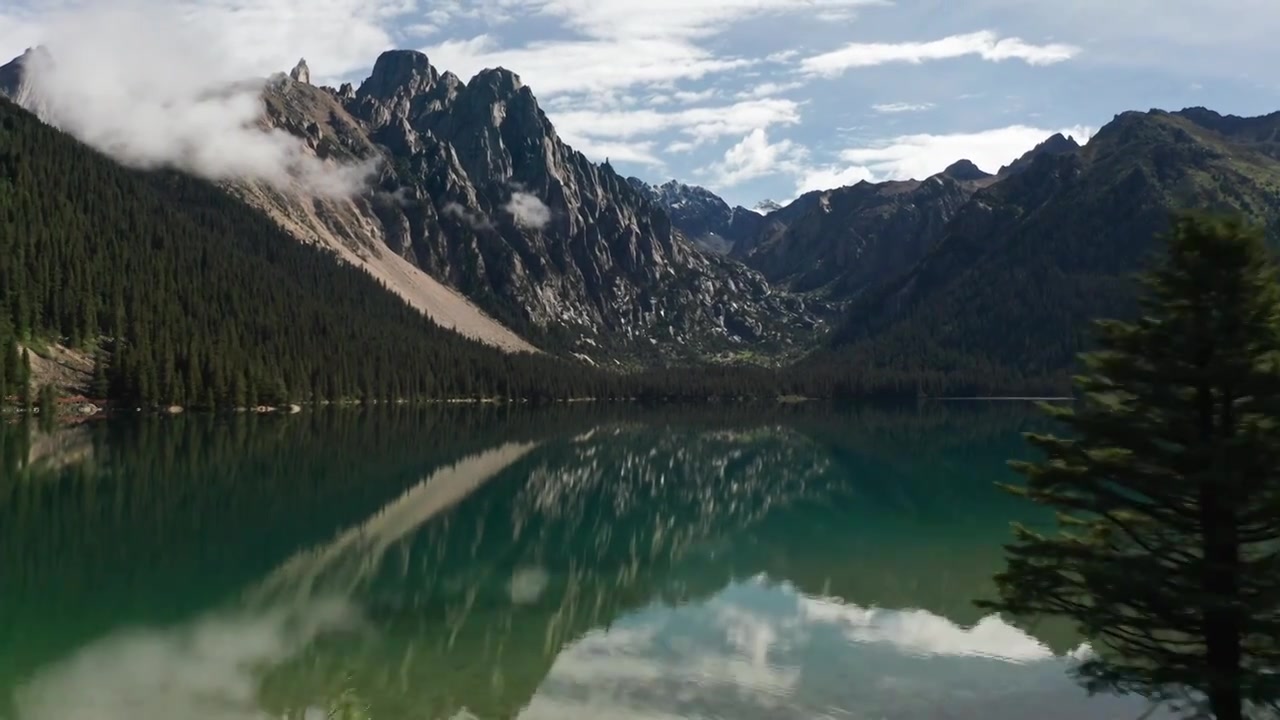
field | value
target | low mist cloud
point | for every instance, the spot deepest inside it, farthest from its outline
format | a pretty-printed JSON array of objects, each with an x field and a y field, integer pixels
[
  {"x": 474, "y": 219},
  {"x": 528, "y": 210},
  {"x": 146, "y": 85}
]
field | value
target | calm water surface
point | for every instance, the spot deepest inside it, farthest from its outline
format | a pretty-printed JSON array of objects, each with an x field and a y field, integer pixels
[{"x": 512, "y": 563}]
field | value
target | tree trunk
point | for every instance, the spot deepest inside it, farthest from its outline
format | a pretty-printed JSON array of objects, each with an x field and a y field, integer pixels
[
  {"x": 1222, "y": 625},
  {"x": 1220, "y": 581}
]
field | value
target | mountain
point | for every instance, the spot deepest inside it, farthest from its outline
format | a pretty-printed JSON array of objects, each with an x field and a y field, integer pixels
[
  {"x": 838, "y": 242},
  {"x": 966, "y": 171},
  {"x": 1056, "y": 144},
  {"x": 182, "y": 294},
  {"x": 1022, "y": 268},
  {"x": 475, "y": 191},
  {"x": 701, "y": 215}
]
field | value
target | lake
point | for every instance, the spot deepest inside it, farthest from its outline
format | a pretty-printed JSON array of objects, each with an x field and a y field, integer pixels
[{"x": 508, "y": 562}]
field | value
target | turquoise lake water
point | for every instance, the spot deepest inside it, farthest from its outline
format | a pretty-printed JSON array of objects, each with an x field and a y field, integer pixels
[{"x": 737, "y": 562}]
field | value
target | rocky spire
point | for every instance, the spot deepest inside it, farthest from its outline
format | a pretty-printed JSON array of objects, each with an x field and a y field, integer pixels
[
  {"x": 301, "y": 73},
  {"x": 399, "y": 73}
]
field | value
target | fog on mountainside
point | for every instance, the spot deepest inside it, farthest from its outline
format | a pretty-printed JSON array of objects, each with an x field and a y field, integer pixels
[{"x": 173, "y": 101}]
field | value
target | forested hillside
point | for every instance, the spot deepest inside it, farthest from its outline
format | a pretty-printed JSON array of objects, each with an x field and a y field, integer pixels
[
  {"x": 187, "y": 296},
  {"x": 1010, "y": 289}
]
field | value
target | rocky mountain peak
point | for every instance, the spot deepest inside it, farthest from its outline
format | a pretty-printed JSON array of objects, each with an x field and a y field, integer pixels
[
  {"x": 13, "y": 75},
  {"x": 301, "y": 73},
  {"x": 767, "y": 206},
  {"x": 399, "y": 74},
  {"x": 500, "y": 80},
  {"x": 964, "y": 170},
  {"x": 701, "y": 215},
  {"x": 1056, "y": 144}
]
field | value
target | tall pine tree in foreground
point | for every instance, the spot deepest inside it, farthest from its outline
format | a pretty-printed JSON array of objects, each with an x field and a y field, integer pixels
[{"x": 1168, "y": 489}]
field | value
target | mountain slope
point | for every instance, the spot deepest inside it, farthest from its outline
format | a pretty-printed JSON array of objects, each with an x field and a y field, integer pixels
[
  {"x": 840, "y": 241},
  {"x": 1029, "y": 261},
  {"x": 191, "y": 297}
]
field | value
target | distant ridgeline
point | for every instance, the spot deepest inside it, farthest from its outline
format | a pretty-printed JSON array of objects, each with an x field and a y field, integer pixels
[
  {"x": 1012, "y": 285},
  {"x": 184, "y": 294}
]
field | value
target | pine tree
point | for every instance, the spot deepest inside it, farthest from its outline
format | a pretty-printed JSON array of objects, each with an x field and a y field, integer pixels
[{"x": 1168, "y": 554}]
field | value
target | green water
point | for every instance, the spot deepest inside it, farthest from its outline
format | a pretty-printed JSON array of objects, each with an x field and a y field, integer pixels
[{"x": 763, "y": 562}]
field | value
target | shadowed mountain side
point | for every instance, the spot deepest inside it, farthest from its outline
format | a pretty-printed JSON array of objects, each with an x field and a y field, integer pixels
[{"x": 1009, "y": 291}]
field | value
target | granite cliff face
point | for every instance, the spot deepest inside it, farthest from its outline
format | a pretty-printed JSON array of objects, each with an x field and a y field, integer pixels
[{"x": 476, "y": 189}]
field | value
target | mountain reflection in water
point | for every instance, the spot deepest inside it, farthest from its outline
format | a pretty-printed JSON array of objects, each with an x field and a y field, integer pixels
[{"x": 753, "y": 563}]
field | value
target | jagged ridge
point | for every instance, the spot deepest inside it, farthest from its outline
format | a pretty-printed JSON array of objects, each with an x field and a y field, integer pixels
[{"x": 478, "y": 190}]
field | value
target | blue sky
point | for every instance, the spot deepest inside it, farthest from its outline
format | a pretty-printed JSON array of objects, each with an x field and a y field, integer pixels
[{"x": 768, "y": 98}]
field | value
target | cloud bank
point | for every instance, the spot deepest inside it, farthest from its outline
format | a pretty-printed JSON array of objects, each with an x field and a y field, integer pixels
[{"x": 146, "y": 85}]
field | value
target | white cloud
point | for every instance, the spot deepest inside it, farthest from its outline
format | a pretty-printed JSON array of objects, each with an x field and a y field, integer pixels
[
  {"x": 919, "y": 156},
  {"x": 206, "y": 669},
  {"x": 683, "y": 19},
  {"x": 700, "y": 123},
  {"x": 689, "y": 97},
  {"x": 891, "y": 108},
  {"x": 922, "y": 155},
  {"x": 830, "y": 177},
  {"x": 420, "y": 30},
  {"x": 1192, "y": 37},
  {"x": 581, "y": 66},
  {"x": 768, "y": 89},
  {"x": 622, "y": 45},
  {"x": 528, "y": 210},
  {"x": 599, "y": 150},
  {"x": 985, "y": 44},
  {"x": 152, "y": 86},
  {"x": 919, "y": 632},
  {"x": 476, "y": 220},
  {"x": 624, "y": 135},
  {"x": 18, "y": 31},
  {"x": 756, "y": 157}
]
